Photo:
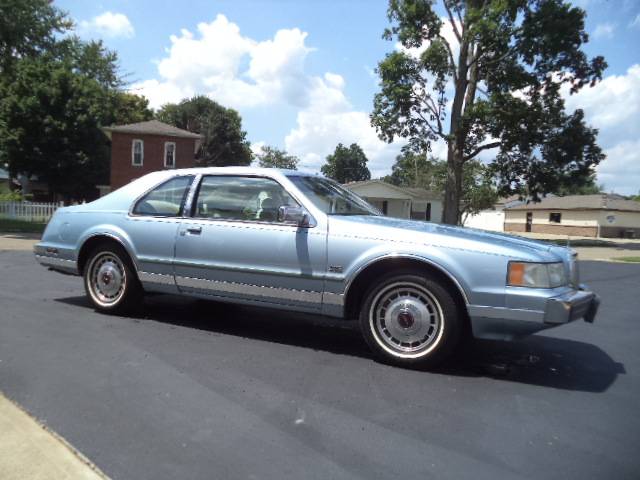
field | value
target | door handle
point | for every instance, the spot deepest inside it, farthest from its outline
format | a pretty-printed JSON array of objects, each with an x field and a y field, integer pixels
[{"x": 194, "y": 230}]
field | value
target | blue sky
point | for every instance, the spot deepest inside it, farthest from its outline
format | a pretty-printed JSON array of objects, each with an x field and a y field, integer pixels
[{"x": 301, "y": 72}]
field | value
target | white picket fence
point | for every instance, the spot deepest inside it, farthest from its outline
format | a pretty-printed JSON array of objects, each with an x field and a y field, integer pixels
[{"x": 28, "y": 211}]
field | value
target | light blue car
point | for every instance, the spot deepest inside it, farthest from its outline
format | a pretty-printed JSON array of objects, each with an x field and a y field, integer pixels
[{"x": 296, "y": 241}]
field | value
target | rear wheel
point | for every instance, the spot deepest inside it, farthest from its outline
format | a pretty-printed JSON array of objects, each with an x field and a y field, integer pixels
[
  {"x": 410, "y": 319},
  {"x": 110, "y": 281}
]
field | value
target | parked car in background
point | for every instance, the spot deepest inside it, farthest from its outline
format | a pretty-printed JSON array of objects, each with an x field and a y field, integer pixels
[{"x": 291, "y": 240}]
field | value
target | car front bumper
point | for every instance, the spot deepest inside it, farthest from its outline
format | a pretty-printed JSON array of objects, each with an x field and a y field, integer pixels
[
  {"x": 572, "y": 306},
  {"x": 552, "y": 311}
]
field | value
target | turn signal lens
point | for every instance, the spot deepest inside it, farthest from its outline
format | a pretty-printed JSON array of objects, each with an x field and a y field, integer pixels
[
  {"x": 516, "y": 273},
  {"x": 536, "y": 275}
]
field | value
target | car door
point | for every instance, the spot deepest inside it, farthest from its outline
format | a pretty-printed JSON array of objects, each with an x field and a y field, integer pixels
[
  {"x": 235, "y": 247},
  {"x": 152, "y": 227}
]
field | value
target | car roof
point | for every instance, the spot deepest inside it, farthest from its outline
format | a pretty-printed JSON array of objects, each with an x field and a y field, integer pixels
[{"x": 236, "y": 170}]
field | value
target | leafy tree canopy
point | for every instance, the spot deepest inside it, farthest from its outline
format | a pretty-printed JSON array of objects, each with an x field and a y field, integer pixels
[
  {"x": 588, "y": 187},
  {"x": 347, "y": 164},
  {"x": 52, "y": 127},
  {"x": 28, "y": 28},
  {"x": 413, "y": 169},
  {"x": 495, "y": 87},
  {"x": 55, "y": 97},
  {"x": 271, "y": 157},
  {"x": 225, "y": 143}
]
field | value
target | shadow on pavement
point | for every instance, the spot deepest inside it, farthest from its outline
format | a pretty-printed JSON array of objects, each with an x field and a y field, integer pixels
[{"x": 536, "y": 360}]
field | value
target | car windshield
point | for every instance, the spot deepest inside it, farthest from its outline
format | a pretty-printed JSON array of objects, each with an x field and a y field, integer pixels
[{"x": 331, "y": 197}]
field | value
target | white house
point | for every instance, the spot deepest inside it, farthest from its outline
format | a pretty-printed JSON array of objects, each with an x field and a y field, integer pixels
[
  {"x": 599, "y": 215},
  {"x": 400, "y": 202},
  {"x": 492, "y": 218}
]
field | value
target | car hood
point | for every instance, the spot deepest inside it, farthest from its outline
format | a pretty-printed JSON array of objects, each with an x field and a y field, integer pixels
[{"x": 446, "y": 236}]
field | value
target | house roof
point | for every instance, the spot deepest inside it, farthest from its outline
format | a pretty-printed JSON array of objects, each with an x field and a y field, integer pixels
[
  {"x": 599, "y": 201},
  {"x": 152, "y": 127},
  {"x": 414, "y": 193}
]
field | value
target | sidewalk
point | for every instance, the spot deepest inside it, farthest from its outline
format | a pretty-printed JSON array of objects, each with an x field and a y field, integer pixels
[
  {"x": 29, "y": 451},
  {"x": 18, "y": 241}
]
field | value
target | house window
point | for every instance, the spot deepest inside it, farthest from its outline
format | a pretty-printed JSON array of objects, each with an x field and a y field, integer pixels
[
  {"x": 555, "y": 217},
  {"x": 169, "y": 155},
  {"x": 385, "y": 207},
  {"x": 137, "y": 152},
  {"x": 427, "y": 214}
]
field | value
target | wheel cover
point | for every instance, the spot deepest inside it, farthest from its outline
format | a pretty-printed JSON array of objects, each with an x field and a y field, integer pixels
[
  {"x": 107, "y": 279},
  {"x": 406, "y": 320}
]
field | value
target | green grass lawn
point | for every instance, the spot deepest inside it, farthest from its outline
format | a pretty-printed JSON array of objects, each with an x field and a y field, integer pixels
[
  {"x": 10, "y": 225},
  {"x": 627, "y": 259}
]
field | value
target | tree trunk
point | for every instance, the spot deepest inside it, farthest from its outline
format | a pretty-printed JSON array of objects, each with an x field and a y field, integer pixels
[
  {"x": 456, "y": 141},
  {"x": 453, "y": 187}
]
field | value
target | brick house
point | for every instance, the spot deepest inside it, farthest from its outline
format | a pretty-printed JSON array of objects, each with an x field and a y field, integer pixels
[
  {"x": 599, "y": 215},
  {"x": 141, "y": 148}
]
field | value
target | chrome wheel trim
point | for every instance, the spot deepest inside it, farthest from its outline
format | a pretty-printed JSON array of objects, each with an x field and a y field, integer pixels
[
  {"x": 106, "y": 279},
  {"x": 406, "y": 320}
]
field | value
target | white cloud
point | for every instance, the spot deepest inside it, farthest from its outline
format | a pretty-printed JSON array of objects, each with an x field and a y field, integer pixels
[
  {"x": 620, "y": 172},
  {"x": 108, "y": 24},
  {"x": 231, "y": 68},
  {"x": 613, "y": 107},
  {"x": 604, "y": 30},
  {"x": 237, "y": 71},
  {"x": 635, "y": 23},
  {"x": 330, "y": 119}
]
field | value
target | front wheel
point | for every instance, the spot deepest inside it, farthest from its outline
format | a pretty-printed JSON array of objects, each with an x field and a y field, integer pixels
[
  {"x": 110, "y": 281},
  {"x": 410, "y": 320}
]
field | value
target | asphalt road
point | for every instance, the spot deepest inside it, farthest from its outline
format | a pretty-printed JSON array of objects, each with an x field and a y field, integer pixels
[{"x": 196, "y": 390}]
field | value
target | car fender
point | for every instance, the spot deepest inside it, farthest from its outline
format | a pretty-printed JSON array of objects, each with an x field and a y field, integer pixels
[
  {"x": 111, "y": 231},
  {"x": 437, "y": 259}
]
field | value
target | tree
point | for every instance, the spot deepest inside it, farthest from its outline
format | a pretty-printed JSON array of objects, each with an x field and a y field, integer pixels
[
  {"x": 504, "y": 71},
  {"x": 28, "y": 28},
  {"x": 588, "y": 187},
  {"x": 52, "y": 127},
  {"x": 224, "y": 143},
  {"x": 347, "y": 164},
  {"x": 271, "y": 157},
  {"x": 130, "y": 108},
  {"x": 416, "y": 170},
  {"x": 56, "y": 92}
]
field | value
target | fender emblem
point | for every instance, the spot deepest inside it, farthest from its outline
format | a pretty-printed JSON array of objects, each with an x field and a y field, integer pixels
[{"x": 335, "y": 268}]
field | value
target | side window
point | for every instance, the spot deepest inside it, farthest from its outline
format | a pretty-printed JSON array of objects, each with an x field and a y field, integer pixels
[
  {"x": 241, "y": 198},
  {"x": 555, "y": 217},
  {"x": 166, "y": 199},
  {"x": 169, "y": 154},
  {"x": 137, "y": 152}
]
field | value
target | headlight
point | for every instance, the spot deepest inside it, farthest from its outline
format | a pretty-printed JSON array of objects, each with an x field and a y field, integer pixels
[{"x": 536, "y": 275}]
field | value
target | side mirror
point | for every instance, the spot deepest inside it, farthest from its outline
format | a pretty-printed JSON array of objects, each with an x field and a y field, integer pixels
[{"x": 297, "y": 215}]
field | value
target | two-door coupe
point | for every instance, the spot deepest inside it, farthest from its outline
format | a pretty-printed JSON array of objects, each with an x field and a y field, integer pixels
[{"x": 291, "y": 240}]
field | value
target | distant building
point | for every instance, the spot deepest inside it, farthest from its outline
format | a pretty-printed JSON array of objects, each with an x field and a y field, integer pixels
[
  {"x": 598, "y": 215},
  {"x": 141, "y": 148},
  {"x": 400, "y": 202},
  {"x": 492, "y": 218}
]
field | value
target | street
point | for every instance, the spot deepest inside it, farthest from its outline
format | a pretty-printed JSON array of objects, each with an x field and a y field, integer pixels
[{"x": 195, "y": 389}]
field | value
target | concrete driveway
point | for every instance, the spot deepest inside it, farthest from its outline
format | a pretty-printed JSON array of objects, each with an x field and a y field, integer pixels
[{"x": 200, "y": 390}]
